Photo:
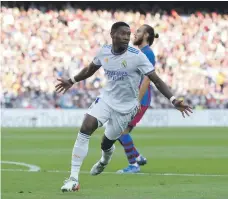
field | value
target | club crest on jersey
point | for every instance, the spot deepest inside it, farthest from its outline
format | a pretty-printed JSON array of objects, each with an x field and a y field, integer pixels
[
  {"x": 124, "y": 63},
  {"x": 106, "y": 60}
]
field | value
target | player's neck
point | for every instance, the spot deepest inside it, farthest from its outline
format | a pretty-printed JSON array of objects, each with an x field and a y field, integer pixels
[
  {"x": 116, "y": 50},
  {"x": 142, "y": 45}
]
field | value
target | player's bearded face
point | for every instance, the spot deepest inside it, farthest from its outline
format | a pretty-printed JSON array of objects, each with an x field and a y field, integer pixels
[
  {"x": 138, "y": 41},
  {"x": 138, "y": 37}
]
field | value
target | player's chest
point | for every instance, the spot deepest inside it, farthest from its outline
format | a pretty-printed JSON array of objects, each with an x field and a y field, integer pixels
[{"x": 118, "y": 63}]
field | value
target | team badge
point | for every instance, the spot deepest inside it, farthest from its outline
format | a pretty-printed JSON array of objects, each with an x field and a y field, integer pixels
[{"x": 124, "y": 63}]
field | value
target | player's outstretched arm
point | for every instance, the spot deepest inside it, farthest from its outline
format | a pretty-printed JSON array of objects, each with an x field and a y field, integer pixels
[
  {"x": 65, "y": 84},
  {"x": 163, "y": 88}
]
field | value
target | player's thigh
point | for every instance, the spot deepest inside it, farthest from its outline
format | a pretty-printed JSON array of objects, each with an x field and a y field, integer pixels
[
  {"x": 118, "y": 123},
  {"x": 138, "y": 116},
  {"x": 98, "y": 113},
  {"x": 112, "y": 130}
]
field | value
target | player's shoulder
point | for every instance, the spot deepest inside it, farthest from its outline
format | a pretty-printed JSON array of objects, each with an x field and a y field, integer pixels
[
  {"x": 150, "y": 51},
  {"x": 107, "y": 46},
  {"x": 147, "y": 50},
  {"x": 105, "y": 49},
  {"x": 133, "y": 50}
]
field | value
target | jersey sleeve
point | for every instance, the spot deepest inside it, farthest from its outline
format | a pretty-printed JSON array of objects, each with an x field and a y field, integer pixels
[
  {"x": 97, "y": 58},
  {"x": 144, "y": 65}
]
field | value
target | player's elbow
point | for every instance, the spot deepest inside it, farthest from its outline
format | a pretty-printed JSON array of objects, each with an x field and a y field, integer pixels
[
  {"x": 91, "y": 69},
  {"x": 89, "y": 72}
]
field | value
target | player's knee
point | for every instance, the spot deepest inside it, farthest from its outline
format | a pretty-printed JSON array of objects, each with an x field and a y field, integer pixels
[
  {"x": 122, "y": 138},
  {"x": 89, "y": 125},
  {"x": 106, "y": 143},
  {"x": 130, "y": 128},
  {"x": 127, "y": 130}
]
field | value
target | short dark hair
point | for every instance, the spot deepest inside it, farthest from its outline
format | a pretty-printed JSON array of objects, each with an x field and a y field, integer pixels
[
  {"x": 116, "y": 25},
  {"x": 151, "y": 33}
]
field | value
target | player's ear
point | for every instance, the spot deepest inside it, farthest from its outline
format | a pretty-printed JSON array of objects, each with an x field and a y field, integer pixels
[
  {"x": 111, "y": 34},
  {"x": 146, "y": 35}
]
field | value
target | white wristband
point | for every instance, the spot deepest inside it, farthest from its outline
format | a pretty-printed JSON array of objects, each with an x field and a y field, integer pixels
[
  {"x": 73, "y": 80},
  {"x": 171, "y": 99}
]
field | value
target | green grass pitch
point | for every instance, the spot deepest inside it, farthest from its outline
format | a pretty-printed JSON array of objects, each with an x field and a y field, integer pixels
[{"x": 178, "y": 151}]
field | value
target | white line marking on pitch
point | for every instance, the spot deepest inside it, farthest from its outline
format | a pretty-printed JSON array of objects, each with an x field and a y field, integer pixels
[
  {"x": 32, "y": 168},
  {"x": 152, "y": 174}
]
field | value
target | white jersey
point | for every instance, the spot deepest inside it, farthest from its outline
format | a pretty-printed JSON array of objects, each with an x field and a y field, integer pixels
[{"x": 123, "y": 73}]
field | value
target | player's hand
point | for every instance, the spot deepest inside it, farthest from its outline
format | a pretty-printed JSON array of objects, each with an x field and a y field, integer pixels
[
  {"x": 183, "y": 108},
  {"x": 63, "y": 85}
]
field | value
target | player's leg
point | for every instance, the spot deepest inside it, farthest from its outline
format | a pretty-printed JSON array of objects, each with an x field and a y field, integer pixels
[
  {"x": 79, "y": 152},
  {"x": 116, "y": 124},
  {"x": 133, "y": 156},
  {"x": 97, "y": 114},
  {"x": 81, "y": 145},
  {"x": 132, "y": 153},
  {"x": 107, "y": 149},
  {"x": 127, "y": 142},
  {"x": 107, "y": 146}
]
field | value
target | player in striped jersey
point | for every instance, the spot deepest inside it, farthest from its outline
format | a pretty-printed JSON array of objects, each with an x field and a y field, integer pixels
[{"x": 144, "y": 38}]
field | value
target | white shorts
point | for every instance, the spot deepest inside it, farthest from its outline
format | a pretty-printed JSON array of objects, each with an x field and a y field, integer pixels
[{"x": 116, "y": 122}]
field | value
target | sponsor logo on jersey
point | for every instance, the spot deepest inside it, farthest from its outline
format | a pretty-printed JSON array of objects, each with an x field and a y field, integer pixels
[{"x": 115, "y": 75}]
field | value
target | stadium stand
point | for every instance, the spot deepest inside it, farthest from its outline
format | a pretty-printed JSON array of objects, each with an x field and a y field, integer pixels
[{"x": 39, "y": 44}]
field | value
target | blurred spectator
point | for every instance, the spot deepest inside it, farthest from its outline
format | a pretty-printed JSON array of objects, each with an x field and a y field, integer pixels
[{"x": 38, "y": 46}]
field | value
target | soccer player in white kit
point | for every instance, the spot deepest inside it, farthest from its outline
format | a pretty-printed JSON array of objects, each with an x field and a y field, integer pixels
[{"x": 118, "y": 103}]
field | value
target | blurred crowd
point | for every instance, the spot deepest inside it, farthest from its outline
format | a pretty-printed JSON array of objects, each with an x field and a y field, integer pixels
[{"x": 40, "y": 45}]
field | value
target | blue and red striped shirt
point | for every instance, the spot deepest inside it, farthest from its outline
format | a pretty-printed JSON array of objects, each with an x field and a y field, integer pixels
[{"x": 150, "y": 55}]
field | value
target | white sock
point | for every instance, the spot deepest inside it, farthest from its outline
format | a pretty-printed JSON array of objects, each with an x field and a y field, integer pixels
[
  {"x": 107, "y": 155},
  {"x": 79, "y": 152}
]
